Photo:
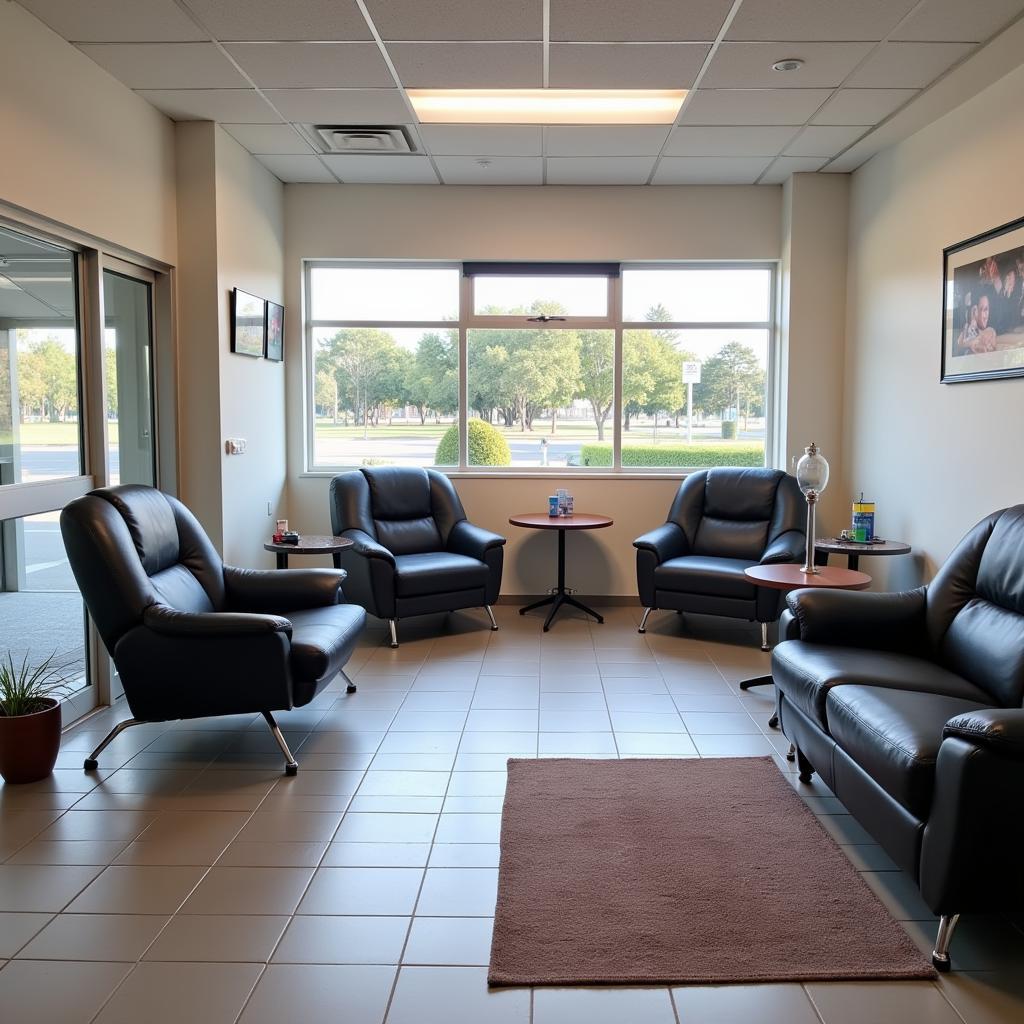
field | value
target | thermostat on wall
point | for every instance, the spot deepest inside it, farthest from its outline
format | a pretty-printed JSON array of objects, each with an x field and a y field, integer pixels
[{"x": 235, "y": 445}]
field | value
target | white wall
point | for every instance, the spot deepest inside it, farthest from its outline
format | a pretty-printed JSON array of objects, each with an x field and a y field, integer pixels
[
  {"x": 80, "y": 148},
  {"x": 935, "y": 457}
]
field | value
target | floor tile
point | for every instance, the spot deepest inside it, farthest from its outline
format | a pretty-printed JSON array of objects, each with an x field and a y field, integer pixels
[
  {"x": 289, "y": 826},
  {"x": 740, "y": 1004},
  {"x": 386, "y": 828},
  {"x": 34, "y": 888},
  {"x": 72, "y": 851},
  {"x": 105, "y": 825},
  {"x": 55, "y": 991},
  {"x": 403, "y": 783},
  {"x": 477, "y": 784},
  {"x": 422, "y": 805},
  {"x": 121, "y": 937},
  {"x": 733, "y": 746},
  {"x": 363, "y": 891},
  {"x": 455, "y": 995},
  {"x": 581, "y": 742},
  {"x": 343, "y": 940},
  {"x": 378, "y": 855},
  {"x": 469, "y": 828},
  {"x": 574, "y": 721},
  {"x": 985, "y": 998},
  {"x": 585, "y": 701},
  {"x": 17, "y": 929},
  {"x": 464, "y": 855},
  {"x": 137, "y": 890},
  {"x": 272, "y": 855},
  {"x": 501, "y": 720},
  {"x": 632, "y": 744},
  {"x": 456, "y": 941},
  {"x": 604, "y": 1006},
  {"x": 229, "y": 890},
  {"x": 218, "y": 938},
  {"x": 458, "y": 892},
  {"x": 646, "y": 722},
  {"x": 881, "y": 1002},
  {"x": 719, "y": 723},
  {"x": 320, "y": 994},
  {"x": 428, "y": 721}
]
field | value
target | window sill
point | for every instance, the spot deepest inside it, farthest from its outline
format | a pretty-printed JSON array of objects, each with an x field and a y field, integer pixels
[{"x": 576, "y": 474}]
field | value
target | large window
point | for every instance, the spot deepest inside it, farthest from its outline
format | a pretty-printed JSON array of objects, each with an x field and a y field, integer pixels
[{"x": 533, "y": 367}]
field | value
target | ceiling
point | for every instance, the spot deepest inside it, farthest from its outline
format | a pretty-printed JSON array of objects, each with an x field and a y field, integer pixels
[{"x": 268, "y": 70}]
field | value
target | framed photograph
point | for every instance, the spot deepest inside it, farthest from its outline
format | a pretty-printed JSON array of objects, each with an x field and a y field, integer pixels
[
  {"x": 983, "y": 306},
  {"x": 248, "y": 323},
  {"x": 275, "y": 332}
]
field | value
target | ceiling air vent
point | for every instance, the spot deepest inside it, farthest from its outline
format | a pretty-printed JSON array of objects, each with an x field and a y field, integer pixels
[{"x": 363, "y": 139}]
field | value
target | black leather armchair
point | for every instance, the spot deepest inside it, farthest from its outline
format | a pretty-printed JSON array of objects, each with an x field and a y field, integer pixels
[
  {"x": 415, "y": 552},
  {"x": 909, "y": 707},
  {"x": 190, "y": 636},
  {"x": 722, "y": 522}
]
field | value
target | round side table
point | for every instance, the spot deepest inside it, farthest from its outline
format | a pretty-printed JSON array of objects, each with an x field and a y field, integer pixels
[
  {"x": 309, "y": 544},
  {"x": 577, "y": 521},
  {"x": 853, "y": 550}
]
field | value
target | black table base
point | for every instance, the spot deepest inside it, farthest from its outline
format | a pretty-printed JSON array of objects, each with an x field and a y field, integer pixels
[{"x": 559, "y": 597}]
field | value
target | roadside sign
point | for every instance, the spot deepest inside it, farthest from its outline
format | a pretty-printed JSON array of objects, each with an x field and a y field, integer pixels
[{"x": 691, "y": 373}]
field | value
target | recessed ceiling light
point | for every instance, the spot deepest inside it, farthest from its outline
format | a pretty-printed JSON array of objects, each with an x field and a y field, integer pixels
[
  {"x": 789, "y": 64},
  {"x": 547, "y": 106}
]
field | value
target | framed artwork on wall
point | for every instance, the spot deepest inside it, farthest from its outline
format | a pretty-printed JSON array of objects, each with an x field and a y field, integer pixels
[
  {"x": 248, "y": 323},
  {"x": 275, "y": 332},
  {"x": 983, "y": 306}
]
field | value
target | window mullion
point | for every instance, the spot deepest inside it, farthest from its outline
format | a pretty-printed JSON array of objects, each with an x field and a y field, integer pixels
[{"x": 615, "y": 300}]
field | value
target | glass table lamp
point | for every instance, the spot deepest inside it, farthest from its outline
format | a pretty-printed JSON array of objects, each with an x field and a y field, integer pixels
[{"x": 812, "y": 478}]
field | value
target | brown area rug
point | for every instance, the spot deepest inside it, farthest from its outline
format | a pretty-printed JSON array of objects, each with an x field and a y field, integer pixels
[{"x": 675, "y": 871}]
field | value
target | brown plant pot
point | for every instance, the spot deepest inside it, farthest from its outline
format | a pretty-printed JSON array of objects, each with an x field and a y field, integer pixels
[{"x": 29, "y": 744}]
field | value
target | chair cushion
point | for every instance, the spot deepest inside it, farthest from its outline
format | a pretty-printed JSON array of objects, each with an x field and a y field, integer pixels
[
  {"x": 322, "y": 641},
  {"x": 806, "y": 672},
  {"x": 437, "y": 572},
  {"x": 894, "y": 735},
  {"x": 703, "y": 574}
]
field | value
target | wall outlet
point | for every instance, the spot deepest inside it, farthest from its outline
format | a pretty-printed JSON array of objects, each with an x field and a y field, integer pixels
[{"x": 235, "y": 445}]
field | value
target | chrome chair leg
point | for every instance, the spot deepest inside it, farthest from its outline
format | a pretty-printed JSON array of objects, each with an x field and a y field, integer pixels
[
  {"x": 490, "y": 615},
  {"x": 643, "y": 621},
  {"x": 393, "y": 625},
  {"x": 91, "y": 762},
  {"x": 350, "y": 687},
  {"x": 764, "y": 637},
  {"x": 291, "y": 766},
  {"x": 940, "y": 954}
]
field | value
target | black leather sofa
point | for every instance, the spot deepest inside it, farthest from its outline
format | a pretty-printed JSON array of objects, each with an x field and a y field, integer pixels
[
  {"x": 909, "y": 707},
  {"x": 722, "y": 521},
  {"x": 190, "y": 636},
  {"x": 414, "y": 552}
]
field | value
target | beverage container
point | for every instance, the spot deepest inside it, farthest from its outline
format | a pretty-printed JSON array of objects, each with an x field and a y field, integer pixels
[
  {"x": 863, "y": 521},
  {"x": 553, "y": 505}
]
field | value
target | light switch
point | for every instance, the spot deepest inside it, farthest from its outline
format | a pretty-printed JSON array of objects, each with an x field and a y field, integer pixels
[{"x": 235, "y": 445}]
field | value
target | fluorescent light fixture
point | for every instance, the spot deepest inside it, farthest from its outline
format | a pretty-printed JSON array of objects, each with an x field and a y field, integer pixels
[{"x": 547, "y": 106}]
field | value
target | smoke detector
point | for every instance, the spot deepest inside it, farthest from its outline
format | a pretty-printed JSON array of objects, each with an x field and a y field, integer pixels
[
  {"x": 789, "y": 64},
  {"x": 364, "y": 138}
]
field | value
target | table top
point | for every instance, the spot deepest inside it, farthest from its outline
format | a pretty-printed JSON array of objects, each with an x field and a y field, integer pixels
[
  {"x": 835, "y": 546},
  {"x": 790, "y": 576},
  {"x": 311, "y": 544},
  {"x": 577, "y": 521}
]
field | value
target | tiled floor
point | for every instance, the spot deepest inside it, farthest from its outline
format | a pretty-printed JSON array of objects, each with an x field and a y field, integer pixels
[{"x": 189, "y": 880}]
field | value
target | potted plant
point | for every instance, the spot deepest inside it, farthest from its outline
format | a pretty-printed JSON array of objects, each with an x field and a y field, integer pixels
[{"x": 29, "y": 719}]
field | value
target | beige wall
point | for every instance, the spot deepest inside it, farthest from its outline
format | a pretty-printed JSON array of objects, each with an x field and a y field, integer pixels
[
  {"x": 935, "y": 457},
  {"x": 80, "y": 148}
]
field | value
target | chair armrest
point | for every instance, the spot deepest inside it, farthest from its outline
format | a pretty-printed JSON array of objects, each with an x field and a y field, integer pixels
[
  {"x": 271, "y": 591},
  {"x": 472, "y": 541},
  {"x": 666, "y": 541},
  {"x": 367, "y": 547},
  {"x": 847, "y": 618},
  {"x": 169, "y": 622},
  {"x": 787, "y": 547},
  {"x": 1001, "y": 730}
]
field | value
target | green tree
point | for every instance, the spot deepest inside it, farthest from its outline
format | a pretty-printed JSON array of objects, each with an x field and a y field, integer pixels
[
  {"x": 47, "y": 378},
  {"x": 110, "y": 373},
  {"x": 433, "y": 380},
  {"x": 731, "y": 379},
  {"x": 597, "y": 375}
]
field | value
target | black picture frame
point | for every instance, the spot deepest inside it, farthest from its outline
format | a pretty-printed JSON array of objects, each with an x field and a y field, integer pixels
[
  {"x": 983, "y": 306},
  {"x": 248, "y": 323},
  {"x": 274, "y": 332}
]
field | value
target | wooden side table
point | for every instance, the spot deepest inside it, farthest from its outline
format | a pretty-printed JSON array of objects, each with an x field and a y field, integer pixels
[
  {"x": 853, "y": 550},
  {"x": 309, "y": 544},
  {"x": 577, "y": 521}
]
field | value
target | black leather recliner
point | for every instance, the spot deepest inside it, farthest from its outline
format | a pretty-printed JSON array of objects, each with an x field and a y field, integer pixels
[
  {"x": 909, "y": 707},
  {"x": 190, "y": 636},
  {"x": 415, "y": 552},
  {"x": 722, "y": 521}
]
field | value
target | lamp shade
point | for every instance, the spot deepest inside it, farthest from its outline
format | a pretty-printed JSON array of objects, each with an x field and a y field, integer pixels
[{"x": 812, "y": 470}]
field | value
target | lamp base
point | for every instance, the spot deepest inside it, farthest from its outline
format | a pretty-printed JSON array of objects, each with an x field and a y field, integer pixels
[{"x": 810, "y": 570}]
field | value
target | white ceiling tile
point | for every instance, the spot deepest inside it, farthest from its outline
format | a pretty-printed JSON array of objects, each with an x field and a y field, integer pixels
[
  {"x": 482, "y": 139},
  {"x": 749, "y": 65},
  {"x": 629, "y": 21},
  {"x": 958, "y": 20},
  {"x": 784, "y": 166},
  {"x": 908, "y": 65},
  {"x": 313, "y": 65},
  {"x": 273, "y": 19},
  {"x": 235, "y": 106},
  {"x": 166, "y": 65},
  {"x": 752, "y": 140},
  {"x": 271, "y": 139},
  {"x": 499, "y": 170},
  {"x": 457, "y": 19},
  {"x": 824, "y": 20},
  {"x": 825, "y": 141},
  {"x": 297, "y": 168},
  {"x": 862, "y": 106},
  {"x": 340, "y": 106},
  {"x": 625, "y": 66},
  {"x": 112, "y": 21},
  {"x": 469, "y": 65},
  {"x": 609, "y": 170},
  {"x": 709, "y": 170},
  {"x": 382, "y": 170},
  {"x": 605, "y": 140},
  {"x": 752, "y": 106}
]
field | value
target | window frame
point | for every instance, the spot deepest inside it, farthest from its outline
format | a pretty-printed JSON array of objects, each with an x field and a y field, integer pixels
[{"x": 468, "y": 320}]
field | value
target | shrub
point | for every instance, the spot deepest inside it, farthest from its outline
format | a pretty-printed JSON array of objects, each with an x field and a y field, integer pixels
[
  {"x": 487, "y": 446},
  {"x": 729, "y": 430},
  {"x": 676, "y": 456}
]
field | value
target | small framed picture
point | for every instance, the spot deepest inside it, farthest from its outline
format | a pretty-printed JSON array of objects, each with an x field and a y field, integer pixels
[
  {"x": 248, "y": 323},
  {"x": 275, "y": 332},
  {"x": 983, "y": 306}
]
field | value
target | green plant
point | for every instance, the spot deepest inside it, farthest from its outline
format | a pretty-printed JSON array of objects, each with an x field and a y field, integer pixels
[
  {"x": 729, "y": 429},
  {"x": 675, "y": 456},
  {"x": 25, "y": 688},
  {"x": 487, "y": 446}
]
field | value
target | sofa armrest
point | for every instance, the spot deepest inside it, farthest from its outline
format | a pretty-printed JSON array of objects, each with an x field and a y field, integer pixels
[
  {"x": 1000, "y": 730},
  {"x": 367, "y": 547},
  {"x": 665, "y": 542},
  {"x": 472, "y": 541},
  {"x": 787, "y": 547},
  {"x": 227, "y": 625},
  {"x": 271, "y": 591},
  {"x": 848, "y": 618}
]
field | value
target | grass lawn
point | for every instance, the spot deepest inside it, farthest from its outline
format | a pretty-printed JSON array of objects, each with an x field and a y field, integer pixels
[{"x": 52, "y": 435}]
